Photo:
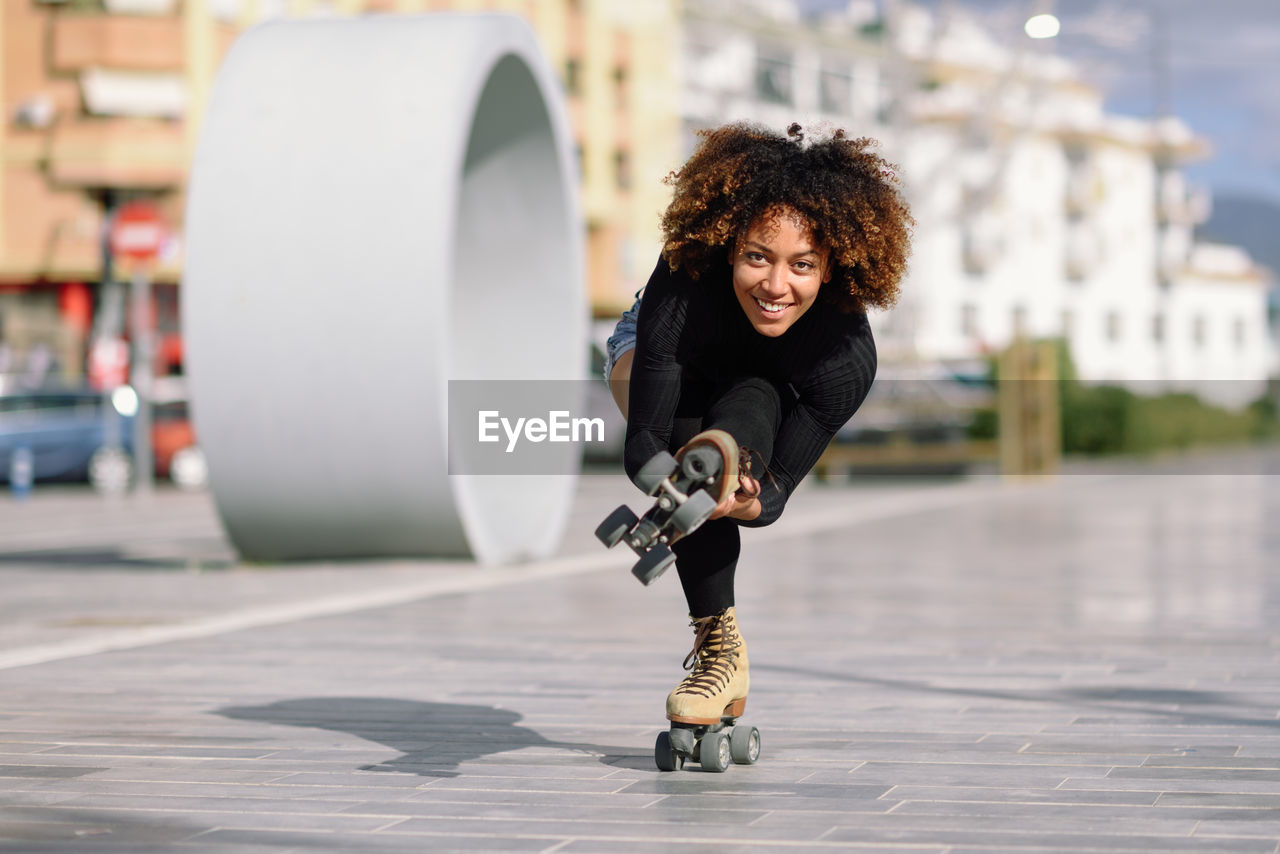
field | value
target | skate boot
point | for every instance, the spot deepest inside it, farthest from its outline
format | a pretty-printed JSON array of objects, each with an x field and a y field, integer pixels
[
  {"x": 687, "y": 487},
  {"x": 707, "y": 703}
]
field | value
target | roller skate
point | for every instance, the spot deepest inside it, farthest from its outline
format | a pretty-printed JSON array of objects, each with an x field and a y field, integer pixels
[
  {"x": 704, "y": 708},
  {"x": 687, "y": 487}
]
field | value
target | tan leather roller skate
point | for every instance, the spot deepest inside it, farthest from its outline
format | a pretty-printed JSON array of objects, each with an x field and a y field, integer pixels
[
  {"x": 687, "y": 487},
  {"x": 704, "y": 708}
]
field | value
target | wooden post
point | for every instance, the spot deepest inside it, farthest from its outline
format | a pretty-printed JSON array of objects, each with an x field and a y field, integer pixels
[{"x": 1029, "y": 416}]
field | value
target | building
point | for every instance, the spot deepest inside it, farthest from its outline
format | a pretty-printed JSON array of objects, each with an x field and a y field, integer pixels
[
  {"x": 1038, "y": 213},
  {"x": 760, "y": 60},
  {"x": 102, "y": 100}
]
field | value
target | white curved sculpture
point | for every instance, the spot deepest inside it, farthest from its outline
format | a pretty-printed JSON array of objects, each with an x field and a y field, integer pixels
[{"x": 378, "y": 206}]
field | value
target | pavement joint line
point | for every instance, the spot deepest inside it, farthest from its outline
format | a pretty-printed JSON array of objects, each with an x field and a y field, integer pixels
[
  {"x": 472, "y": 578},
  {"x": 683, "y": 840}
]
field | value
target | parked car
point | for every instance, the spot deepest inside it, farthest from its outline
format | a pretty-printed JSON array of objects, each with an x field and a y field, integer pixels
[
  {"x": 80, "y": 434},
  {"x": 918, "y": 403},
  {"x": 916, "y": 420},
  {"x": 173, "y": 438},
  {"x": 64, "y": 434}
]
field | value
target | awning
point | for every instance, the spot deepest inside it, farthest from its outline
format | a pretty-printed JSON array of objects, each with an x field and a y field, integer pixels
[{"x": 148, "y": 94}]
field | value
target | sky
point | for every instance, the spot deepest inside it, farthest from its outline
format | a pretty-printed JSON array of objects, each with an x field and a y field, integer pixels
[{"x": 1222, "y": 59}]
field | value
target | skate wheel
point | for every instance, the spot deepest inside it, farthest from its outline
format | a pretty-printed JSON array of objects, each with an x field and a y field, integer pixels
[
  {"x": 653, "y": 564},
  {"x": 744, "y": 745},
  {"x": 615, "y": 526},
  {"x": 701, "y": 462},
  {"x": 664, "y": 756},
  {"x": 714, "y": 752},
  {"x": 693, "y": 512},
  {"x": 654, "y": 472}
]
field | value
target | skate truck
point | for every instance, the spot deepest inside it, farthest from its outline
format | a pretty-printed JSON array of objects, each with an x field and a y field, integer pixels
[{"x": 686, "y": 488}]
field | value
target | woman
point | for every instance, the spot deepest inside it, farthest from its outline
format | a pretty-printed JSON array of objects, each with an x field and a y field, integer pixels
[{"x": 754, "y": 323}]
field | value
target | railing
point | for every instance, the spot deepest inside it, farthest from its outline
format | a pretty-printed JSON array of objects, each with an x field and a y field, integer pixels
[{"x": 1028, "y": 437}]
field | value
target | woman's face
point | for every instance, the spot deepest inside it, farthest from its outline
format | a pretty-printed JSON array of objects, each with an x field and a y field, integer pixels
[{"x": 777, "y": 271}]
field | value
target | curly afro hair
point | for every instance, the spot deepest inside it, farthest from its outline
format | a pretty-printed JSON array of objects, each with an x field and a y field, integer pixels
[{"x": 842, "y": 190}]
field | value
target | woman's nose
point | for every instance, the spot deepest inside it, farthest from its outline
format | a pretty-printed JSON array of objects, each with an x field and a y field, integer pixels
[{"x": 775, "y": 284}]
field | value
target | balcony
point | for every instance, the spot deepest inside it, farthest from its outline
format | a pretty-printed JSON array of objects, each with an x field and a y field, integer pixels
[
  {"x": 140, "y": 94},
  {"x": 119, "y": 153},
  {"x": 117, "y": 41},
  {"x": 1177, "y": 203}
]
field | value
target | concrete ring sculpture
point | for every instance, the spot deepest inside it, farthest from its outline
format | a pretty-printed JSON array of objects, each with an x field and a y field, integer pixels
[{"x": 379, "y": 206}]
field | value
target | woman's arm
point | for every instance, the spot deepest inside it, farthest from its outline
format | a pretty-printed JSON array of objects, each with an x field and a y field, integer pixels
[{"x": 655, "y": 374}]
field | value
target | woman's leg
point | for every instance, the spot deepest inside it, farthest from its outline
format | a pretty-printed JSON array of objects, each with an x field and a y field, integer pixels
[
  {"x": 706, "y": 562},
  {"x": 620, "y": 349},
  {"x": 620, "y": 380},
  {"x": 750, "y": 410},
  {"x": 719, "y": 680}
]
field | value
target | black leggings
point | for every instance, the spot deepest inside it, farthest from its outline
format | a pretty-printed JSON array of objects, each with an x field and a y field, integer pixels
[{"x": 751, "y": 410}]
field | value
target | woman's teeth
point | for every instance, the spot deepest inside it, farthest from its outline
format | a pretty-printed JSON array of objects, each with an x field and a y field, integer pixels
[{"x": 770, "y": 306}]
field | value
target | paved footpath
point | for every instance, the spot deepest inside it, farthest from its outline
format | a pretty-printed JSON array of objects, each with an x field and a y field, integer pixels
[{"x": 1088, "y": 664}]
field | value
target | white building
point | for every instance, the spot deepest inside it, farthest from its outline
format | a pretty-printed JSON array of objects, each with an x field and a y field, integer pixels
[{"x": 1037, "y": 211}]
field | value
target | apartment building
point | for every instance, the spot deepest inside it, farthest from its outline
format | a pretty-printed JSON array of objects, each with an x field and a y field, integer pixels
[
  {"x": 102, "y": 103},
  {"x": 1038, "y": 212}
]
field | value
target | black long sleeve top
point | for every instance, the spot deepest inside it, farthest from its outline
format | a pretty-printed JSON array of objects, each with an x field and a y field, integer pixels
[{"x": 697, "y": 331}]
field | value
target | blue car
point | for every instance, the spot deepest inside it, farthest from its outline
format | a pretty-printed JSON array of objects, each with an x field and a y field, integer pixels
[{"x": 61, "y": 432}]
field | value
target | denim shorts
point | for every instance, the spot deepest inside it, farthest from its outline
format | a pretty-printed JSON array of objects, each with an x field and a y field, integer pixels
[{"x": 623, "y": 337}]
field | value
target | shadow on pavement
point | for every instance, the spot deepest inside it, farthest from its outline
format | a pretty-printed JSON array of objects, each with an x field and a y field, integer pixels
[
  {"x": 434, "y": 738},
  {"x": 110, "y": 557}
]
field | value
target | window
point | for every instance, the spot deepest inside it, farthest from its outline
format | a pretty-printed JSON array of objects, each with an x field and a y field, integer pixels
[
  {"x": 1019, "y": 320},
  {"x": 1157, "y": 328},
  {"x": 774, "y": 78},
  {"x": 622, "y": 169},
  {"x": 620, "y": 85},
  {"x": 1067, "y": 322},
  {"x": 1238, "y": 332},
  {"x": 573, "y": 77},
  {"x": 835, "y": 91},
  {"x": 1198, "y": 330},
  {"x": 1113, "y": 327},
  {"x": 969, "y": 320}
]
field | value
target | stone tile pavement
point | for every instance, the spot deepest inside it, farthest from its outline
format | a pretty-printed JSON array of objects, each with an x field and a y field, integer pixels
[{"x": 1086, "y": 664}]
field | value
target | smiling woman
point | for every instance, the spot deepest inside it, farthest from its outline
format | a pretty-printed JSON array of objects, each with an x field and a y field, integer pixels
[{"x": 748, "y": 351}]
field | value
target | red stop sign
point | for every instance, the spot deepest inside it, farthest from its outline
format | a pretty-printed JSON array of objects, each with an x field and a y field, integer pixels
[{"x": 136, "y": 231}]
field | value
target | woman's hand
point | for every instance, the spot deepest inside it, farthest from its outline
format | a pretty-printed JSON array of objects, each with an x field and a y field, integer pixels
[{"x": 743, "y": 504}]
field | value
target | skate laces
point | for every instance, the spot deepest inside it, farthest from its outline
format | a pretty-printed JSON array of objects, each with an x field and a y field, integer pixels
[
  {"x": 744, "y": 467},
  {"x": 714, "y": 656}
]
